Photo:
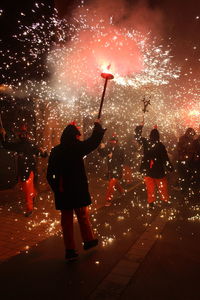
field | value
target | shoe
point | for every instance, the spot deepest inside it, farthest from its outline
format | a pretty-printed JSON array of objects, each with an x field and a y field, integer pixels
[
  {"x": 108, "y": 203},
  {"x": 90, "y": 244},
  {"x": 71, "y": 255},
  {"x": 151, "y": 205},
  {"x": 28, "y": 213},
  {"x": 176, "y": 188}
]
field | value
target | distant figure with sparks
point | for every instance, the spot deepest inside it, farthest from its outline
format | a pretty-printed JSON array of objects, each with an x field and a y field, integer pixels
[
  {"x": 26, "y": 164},
  {"x": 155, "y": 163},
  {"x": 195, "y": 165},
  {"x": 185, "y": 149},
  {"x": 8, "y": 171},
  {"x": 67, "y": 177},
  {"x": 115, "y": 160}
]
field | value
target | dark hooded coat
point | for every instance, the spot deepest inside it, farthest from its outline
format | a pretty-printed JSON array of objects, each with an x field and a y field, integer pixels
[
  {"x": 155, "y": 162},
  {"x": 66, "y": 171},
  {"x": 195, "y": 165},
  {"x": 185, "y": 148},
  {"x": 8, "y": 169}
]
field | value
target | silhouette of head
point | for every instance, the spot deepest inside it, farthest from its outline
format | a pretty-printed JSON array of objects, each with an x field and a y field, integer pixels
[
  {"x": 69, "y": 133},
  {"x": 154, "y": 135},
  {"x": 113, "y": 139},
  {"x": 190, "y": 132}
]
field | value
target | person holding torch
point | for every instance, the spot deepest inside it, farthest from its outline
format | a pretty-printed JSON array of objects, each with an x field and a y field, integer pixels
[{"x": 67, "y": 178}]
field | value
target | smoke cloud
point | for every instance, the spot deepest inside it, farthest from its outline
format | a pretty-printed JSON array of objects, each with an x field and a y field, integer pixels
[{"x": 103, "y": 35}]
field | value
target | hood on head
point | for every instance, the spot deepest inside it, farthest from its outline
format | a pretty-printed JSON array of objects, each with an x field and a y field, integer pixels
[
  {"x": 69, "y": 133},
  {"x": 154, "y": 135},
  {"x": 190, "y": 132}
]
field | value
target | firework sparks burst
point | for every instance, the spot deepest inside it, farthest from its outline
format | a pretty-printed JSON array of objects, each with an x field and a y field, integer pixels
[
  {"x": 78, "y": 50},
  {"x": 74, "y": 53}
]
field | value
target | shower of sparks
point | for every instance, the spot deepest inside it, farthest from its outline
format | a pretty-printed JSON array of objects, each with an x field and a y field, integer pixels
[
  {"x": 196, "y": 217},
  {"x": 75, "y": 52}
]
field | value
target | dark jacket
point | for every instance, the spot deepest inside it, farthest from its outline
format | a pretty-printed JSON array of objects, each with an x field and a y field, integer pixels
[
  {"x": 155, "y": 162},
  {"x": 115, "y": 163},
  {"x": 196, "y": 151},
  {"x": 195, "y": 164},
  {"x": 8, "y": 169},
  {"x": 66, "y": 171},
  {"x": 27, "y": 152},
  {"x": 185, "y": 148}
]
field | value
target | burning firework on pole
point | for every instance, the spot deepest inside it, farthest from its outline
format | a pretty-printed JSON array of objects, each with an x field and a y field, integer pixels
[{"x": 107, "y": 76}]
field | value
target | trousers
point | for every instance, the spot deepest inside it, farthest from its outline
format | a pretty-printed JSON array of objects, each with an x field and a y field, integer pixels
[
  {"x": 160, "y": 184},
  {"x": 113, "y": 183},
  {"x": 68, "y": 228},
  {"x": 29, "y": 191}
]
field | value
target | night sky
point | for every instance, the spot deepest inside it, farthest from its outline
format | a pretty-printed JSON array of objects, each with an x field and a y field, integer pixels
[
  {"x": 181, "y": 24},
  {"x": 175, "y": 19},
  {"x": 178, "y": 20}
]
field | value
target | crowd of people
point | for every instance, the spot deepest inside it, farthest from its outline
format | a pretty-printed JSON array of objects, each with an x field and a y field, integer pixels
[
  {"x": 154, "y": 165},
  {"x": 67, "y": 176},
  {"x": 188, "y": 150}
]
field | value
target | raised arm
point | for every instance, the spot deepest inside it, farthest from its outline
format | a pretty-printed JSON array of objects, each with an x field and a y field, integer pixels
[
  {"x": 138, "y": 134},
  {"x": 93, "y": 141}
]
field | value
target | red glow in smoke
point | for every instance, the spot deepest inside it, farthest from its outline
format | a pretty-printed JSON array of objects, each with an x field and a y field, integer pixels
[
  {"x": 105, "y": 39},
  {"x": 92, "y": 57},
  {"x": 191, "y": 117}
]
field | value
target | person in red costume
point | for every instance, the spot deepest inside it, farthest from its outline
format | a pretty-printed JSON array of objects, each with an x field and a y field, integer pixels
[
  {"x": 185, "y": 149},
  {"x": 115, "y": 161},
  {"x": 26, "y": 164},
  {"x": 195, "y": 166},
  {"x": 155, "y": 163}
]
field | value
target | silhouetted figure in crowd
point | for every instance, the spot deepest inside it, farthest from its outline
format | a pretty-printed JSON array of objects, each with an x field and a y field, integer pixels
[
  {"x": 130, "y": 154},
  {"x": 8, "y": 172},
  {"x": 67, "y": 177},
  {"x": 185, "y": 150},
  {"x": 115, "y": 160},
  {"x": 26, "y": 164},
  {"x": 154, "y": 165},
  {"x": 195, "y": 166}
]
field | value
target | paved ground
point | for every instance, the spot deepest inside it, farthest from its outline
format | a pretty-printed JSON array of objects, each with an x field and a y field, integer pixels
[
  {"x": 19, "y": 233},
  {"x": 171, "y": 268},
  {"x": 142, "y": 254}
]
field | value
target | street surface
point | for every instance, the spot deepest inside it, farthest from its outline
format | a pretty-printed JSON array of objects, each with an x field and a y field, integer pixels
[{"x": 142, "y": 254}]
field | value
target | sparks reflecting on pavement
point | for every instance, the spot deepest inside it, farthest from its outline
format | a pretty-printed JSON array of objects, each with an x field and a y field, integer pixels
[{"x": 196, "y": 217}]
